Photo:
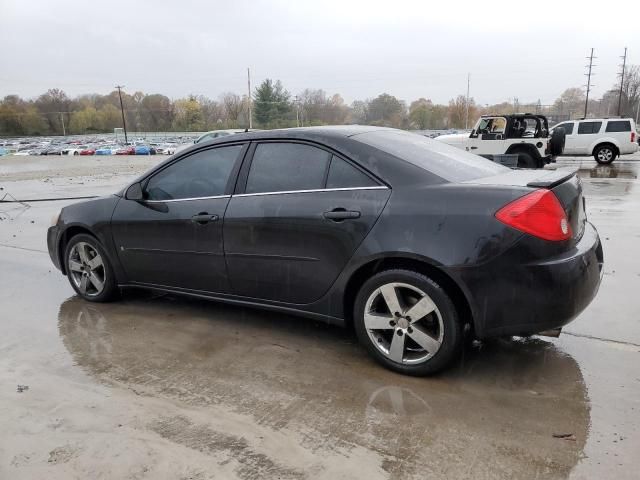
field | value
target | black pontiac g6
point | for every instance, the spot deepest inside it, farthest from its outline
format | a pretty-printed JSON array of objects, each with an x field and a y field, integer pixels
[{"x": 408, "y": 239}]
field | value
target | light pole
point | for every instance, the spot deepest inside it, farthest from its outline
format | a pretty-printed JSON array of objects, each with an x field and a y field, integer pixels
[{"x": 124, "y": 123}]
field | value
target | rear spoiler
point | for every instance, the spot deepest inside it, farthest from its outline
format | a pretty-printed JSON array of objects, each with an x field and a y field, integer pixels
[
  {"x": 551, "y": 178},
  {"x": 527, "y": 177}
]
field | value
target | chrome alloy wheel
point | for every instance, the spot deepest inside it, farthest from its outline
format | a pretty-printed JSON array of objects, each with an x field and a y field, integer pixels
[
  {"x": 86, "y": 269},
  {"x": 605, "y": 154},
  {"x": 403, "y": 323}
]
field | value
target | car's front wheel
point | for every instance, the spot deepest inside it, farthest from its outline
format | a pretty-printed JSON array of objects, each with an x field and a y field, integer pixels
[
  {"x": 89, "y": 270},
  {"x": 407, "y": 322}
]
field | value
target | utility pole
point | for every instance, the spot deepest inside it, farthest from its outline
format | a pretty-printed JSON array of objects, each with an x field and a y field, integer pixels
[
  {"x": 124, "y": 123},
  {"x": 295, "y": 99},
  {"x": 590, "y": 66},
  {"x": 624, "y": 64},
  {"x": 249, "y": 95},
  {"x": 466, "y": 113},
  {"x": 64, "y": 132}
]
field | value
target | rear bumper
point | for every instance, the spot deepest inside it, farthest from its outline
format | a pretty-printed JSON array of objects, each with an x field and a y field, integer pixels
[{"x": 513, "y": 298}]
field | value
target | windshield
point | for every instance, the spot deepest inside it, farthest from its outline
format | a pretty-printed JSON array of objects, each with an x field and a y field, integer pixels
[{"x": 445, "y": 161}]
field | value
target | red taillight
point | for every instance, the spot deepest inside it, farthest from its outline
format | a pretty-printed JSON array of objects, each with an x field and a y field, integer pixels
[
  {"x": 538, "y": 213},
  {"x": 633, "y": 137}
]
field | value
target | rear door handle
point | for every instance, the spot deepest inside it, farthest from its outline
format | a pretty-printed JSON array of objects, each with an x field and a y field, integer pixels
[
  {"x": 340, "y": 214},
  {"x": 473, "y": 148},
  {"x": 203, "y": 218}
]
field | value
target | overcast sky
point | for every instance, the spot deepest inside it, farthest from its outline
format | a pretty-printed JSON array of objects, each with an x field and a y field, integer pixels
[{"x": 531, "y": 50}]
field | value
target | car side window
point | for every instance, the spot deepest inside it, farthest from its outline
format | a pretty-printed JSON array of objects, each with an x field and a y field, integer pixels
[
  {"x": 203, "y": 174},
  {"x": 344, "y": 175},
  {"x": 589, "y": 127},
  {"x": 568, "y": 127},
  {"x": 281, "y": 167},
  {"x": 618, "y": 126}
]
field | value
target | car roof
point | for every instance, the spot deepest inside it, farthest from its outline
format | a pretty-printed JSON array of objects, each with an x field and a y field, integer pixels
[{"x": 302, "y": 133}]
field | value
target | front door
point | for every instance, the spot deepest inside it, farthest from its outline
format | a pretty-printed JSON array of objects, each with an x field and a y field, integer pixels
[
  {"x": 174, "y": 236},
  {"x": 301, "y": 217}
]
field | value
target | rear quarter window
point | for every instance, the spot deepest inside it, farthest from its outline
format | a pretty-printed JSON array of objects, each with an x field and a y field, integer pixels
[
  {"x": 449, "y": 163},
  {"x": 619, "y": 126}
]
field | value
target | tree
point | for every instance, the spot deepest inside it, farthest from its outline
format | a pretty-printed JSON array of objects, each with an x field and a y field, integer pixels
[
  {"x": 271, "y": 104},
  {"x": 386, "y": 110},
  {"x": 570, "y": 103},
  {"x": 188, "y": 115},
  {"x": 51, "y": 104},
  {"x": 233, "y": 106},
  {"x": 458, "y": 112},
  {"x": 420, "y": 114}
]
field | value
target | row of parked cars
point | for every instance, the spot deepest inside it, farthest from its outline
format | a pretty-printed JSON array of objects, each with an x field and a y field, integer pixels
[{"x": 74, "y": 149}]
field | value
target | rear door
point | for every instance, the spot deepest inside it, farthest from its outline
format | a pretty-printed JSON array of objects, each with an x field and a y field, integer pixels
[
  {"x": 174, "y": 237},
  {"x": 299, "y": 215},
  {"x": 587, "y": 136}
]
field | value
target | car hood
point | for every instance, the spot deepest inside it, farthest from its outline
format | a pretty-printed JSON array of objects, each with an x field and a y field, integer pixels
[{"x": 452, "y": 138}]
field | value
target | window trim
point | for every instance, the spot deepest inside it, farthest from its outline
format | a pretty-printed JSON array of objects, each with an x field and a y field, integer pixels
[
  {"x": 228, "y": 189},
  {"x": 241, "y": 184}
]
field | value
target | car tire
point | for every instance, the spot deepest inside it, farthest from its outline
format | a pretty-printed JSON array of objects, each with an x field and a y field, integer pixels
[
  {"x": 526, "y": 160},
  {"x": 88, "y": 269},
  {"x": 419, "y": 346},
  {"x": 76, "y": 153},
  {"x": 605, "y": 154}
]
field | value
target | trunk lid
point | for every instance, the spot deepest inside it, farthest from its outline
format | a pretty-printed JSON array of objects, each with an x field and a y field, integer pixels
[{"x": 565, "y": 185}]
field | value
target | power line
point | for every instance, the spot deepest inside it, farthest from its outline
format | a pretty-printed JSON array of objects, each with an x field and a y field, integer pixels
[{"x": 590, "y": 66}]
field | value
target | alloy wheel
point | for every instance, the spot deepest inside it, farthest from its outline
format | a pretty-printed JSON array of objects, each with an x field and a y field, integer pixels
[
  {"x": 86, "y": 269},
  {"x": 403, "y": 323},
  {"x": 605, "y": 154}
]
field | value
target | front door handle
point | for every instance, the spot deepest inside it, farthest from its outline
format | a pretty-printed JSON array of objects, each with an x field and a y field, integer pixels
[
  {"x": 339, "y": 214},
  {"x": 474, "y": 148},
  {"x": 203, "y": 218}
]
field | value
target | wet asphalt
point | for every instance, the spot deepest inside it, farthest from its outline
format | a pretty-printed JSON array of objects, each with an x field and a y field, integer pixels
[{"x": 158, "y": 386}]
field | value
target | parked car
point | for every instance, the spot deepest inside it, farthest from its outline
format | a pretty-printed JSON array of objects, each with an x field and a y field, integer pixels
[
  {"x": 74, "y": 149},
  {"x": 604, "y": 138},
  {"x": 410, "y": 240},
  {"x": 107, "y": 150},
  {"x": 142, "y": 150},
  {"x": 54, "y": 150},
  {"x": 126, "y": 151},
  {"x": 525, "y": 135},
  {"x": 88, "y": 151}
]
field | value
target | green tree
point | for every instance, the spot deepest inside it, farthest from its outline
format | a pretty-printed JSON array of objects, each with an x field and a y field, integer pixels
[
  {"x": 271, "y": 104},
  {"x": 386, "y": 110},
  {"x": 420, "y": 113}
]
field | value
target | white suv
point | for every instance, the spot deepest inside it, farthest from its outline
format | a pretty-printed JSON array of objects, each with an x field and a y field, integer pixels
[{"x": 604, "y": 138}]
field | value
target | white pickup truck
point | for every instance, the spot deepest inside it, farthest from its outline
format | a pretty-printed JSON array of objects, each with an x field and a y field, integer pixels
[{"x": 524, "y": 134}]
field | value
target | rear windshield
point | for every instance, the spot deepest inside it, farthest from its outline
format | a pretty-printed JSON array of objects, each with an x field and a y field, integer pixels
[{"x": 447, "y": 162}]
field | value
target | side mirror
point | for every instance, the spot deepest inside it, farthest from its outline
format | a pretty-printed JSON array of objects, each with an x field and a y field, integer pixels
[{"x": 134, "y": 192}]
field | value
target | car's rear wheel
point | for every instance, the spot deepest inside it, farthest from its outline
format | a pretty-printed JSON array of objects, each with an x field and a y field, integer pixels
[
  {"x": 605, "y": 154},
  {"x": 526, "y": 160},
  {"x": 89, "y": 270},
  {"x": 407, "y": 322}
]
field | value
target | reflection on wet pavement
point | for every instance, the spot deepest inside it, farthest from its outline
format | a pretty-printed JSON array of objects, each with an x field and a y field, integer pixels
[
  {"x": 494, "y": 413},
  {"x": 624, "y": 175}
]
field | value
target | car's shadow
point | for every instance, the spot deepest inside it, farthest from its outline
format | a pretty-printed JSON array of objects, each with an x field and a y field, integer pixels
[{"x": 500, "y": 405}]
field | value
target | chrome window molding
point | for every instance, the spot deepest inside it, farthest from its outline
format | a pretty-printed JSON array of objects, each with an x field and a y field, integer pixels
[
  {"x": 187, "y": 199},
  {"x": 284, "y": 192}
]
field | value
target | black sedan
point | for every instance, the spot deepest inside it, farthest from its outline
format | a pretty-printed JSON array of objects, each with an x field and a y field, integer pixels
[{"x": 411, "y": 241}]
